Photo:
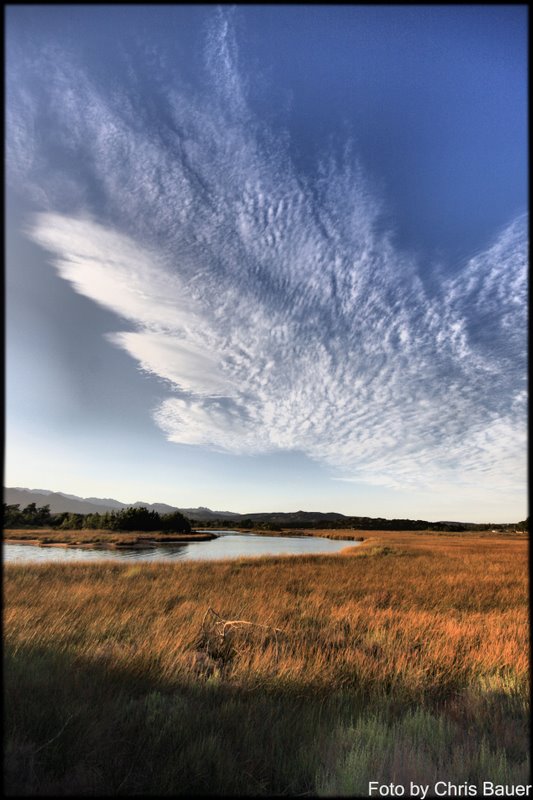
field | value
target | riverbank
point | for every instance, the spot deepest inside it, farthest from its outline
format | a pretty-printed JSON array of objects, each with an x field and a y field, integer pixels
[
  {"x": 105, "y": 539},
  {"x": 405, "y": 659},
  {"x": 99, "y": 539},
  {"x": 362, "y": 535},
  {"x": 324, "y": 533}
]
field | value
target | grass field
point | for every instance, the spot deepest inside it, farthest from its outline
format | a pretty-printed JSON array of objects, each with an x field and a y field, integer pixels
[
  {"x": 97, "y": 538},
  {"x": 405, "y": 658}
]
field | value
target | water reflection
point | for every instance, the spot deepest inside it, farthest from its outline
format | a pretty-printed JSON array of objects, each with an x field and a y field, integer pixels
[{"x": 229, "y": 544}]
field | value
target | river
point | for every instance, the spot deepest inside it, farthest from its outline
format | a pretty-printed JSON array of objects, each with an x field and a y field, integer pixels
[{"x": 229, "y": 544}]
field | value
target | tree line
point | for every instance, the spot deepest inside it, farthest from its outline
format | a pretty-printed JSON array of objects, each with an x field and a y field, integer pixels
[
  {"x": 142, "y": 519},
  {"x": 359, "y": 523},
  {"x": 127, "y": 519}
]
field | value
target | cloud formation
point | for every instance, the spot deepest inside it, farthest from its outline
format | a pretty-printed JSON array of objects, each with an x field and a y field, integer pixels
[{"x": 276, "y": 306}]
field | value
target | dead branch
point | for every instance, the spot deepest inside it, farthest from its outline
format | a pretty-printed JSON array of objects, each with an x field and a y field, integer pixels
[
  {"x": 226, "y": 625},
  {"x": 220, "y": 629}
]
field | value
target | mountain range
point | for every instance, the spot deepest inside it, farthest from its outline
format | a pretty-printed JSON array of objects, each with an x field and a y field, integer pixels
[{"x": 59, "y": 502}]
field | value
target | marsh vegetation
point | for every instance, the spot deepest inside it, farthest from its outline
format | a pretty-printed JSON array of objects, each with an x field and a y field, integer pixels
[{"x": 405, "y": 658}]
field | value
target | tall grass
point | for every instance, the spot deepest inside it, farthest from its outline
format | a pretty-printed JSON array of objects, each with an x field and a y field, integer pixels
[
  {"x": 94, "y": 537},
  {"x": 411, "y": 651}
]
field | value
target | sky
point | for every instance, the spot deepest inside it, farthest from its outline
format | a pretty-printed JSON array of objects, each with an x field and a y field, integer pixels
[{"x": 269, "y": 258}]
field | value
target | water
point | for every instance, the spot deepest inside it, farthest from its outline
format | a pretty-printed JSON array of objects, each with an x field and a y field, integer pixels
[{"x": 229, "y": 544}]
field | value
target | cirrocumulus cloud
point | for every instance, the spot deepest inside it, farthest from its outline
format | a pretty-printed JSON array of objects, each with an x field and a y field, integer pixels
[{"x": 276, "y": 308}]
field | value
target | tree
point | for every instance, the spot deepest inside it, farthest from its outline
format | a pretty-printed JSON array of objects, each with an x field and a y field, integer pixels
[
  {"x": 93, "y": 521},
  {"x": 33, "y": 516},
  {"x": 135, "y": 519},
  {"x": 30, "y": 512},
  {"x": 175, "y": 522},
  {"x": 12, "y": 515},
  {"x": 72, "y": 522},
  {"x": 58, "y": 519}
]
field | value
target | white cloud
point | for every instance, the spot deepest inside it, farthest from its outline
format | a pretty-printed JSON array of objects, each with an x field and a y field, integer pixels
[
  {"x": 278, "y": 309},
  {"x": 112, "y": 270},
  {"x": 181, "y": 363}
]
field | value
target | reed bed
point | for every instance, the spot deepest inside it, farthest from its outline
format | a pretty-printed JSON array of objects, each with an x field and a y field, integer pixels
[
  {"x": 120, "y": 679},
  {"x": 97, "y": 538}
]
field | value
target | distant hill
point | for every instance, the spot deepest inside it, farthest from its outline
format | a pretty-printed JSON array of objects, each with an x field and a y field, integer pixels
[
  {"x": 295, "y": 518},
  {"x": 203, "y": 514},
  {"x": 60, "y": 502}
]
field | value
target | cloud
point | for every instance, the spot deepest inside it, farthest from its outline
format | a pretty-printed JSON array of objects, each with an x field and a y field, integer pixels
[
  {"x": 181, "y": 363},
  {"x": 275, "y": 306}
]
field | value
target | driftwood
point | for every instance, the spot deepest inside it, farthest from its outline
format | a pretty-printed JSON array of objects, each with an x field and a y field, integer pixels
[
  {"x": 224, "y": 625},
  {"x": 220, "y": 630}
]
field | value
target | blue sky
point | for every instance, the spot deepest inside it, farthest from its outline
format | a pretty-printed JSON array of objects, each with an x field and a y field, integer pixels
[{"x": 269, "y": 258}]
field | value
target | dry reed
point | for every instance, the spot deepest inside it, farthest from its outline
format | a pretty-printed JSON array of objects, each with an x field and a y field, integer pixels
[{"x": 439, "y": 624}]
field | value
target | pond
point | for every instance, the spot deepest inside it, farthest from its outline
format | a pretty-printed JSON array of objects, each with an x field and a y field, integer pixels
[{"x": 229, "y": 544}]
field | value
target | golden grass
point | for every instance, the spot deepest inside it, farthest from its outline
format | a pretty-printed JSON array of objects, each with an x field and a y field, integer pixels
[
  {"x": 96, "y": 538},
  {"x": 404, "y": 621},
  {"x": 422, "y": 615}
]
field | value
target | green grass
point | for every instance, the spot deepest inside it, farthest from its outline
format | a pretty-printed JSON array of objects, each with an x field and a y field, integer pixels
[{"x": 421, "y": 747}]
